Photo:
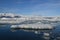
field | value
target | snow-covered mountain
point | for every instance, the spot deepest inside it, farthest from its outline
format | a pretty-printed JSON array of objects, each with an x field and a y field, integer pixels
[{"x": 22, "y": 19}]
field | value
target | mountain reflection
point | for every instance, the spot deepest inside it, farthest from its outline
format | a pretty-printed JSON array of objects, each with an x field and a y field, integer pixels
[{"x": 36, "y": 34}]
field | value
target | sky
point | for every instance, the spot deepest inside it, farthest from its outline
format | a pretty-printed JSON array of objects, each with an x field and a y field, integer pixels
[{"x": 31, "y": 7}]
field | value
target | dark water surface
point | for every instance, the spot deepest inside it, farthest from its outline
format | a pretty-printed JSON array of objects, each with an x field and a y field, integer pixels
[{"x": 7, "y": 34}]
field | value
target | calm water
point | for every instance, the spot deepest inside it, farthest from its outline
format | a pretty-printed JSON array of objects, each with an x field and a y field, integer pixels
[{"x": 7, "y": 34}]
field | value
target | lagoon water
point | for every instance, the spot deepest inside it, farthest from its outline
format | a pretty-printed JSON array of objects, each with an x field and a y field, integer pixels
[{"x": 7, "y": 34}]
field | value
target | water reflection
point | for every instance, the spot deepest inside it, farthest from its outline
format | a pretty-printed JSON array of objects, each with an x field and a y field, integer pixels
[
  {"x": 8, "y": 34},
  {"x": 44, "y": 34}
]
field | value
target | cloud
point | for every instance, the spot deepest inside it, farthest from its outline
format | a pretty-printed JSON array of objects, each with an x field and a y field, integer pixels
[
  {"x": 45, "y": 6},
  {"x": 9, "y": 10},
  {"x": 48, "y": 8},
  {"x": 19, "y": 2}
]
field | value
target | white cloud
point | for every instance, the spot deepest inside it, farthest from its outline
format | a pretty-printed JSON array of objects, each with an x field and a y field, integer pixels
[{"x": 45, "y": 9}]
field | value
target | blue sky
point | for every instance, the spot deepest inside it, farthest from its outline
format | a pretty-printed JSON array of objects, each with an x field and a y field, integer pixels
[{"x": 31, "y": 7}]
